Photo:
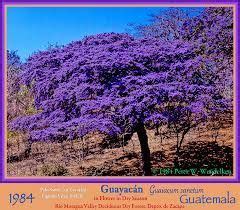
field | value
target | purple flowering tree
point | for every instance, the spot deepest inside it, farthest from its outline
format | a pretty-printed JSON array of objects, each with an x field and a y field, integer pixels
[
  {"x": 212, "y": 31},
  {"x": 116, "y": 85}
]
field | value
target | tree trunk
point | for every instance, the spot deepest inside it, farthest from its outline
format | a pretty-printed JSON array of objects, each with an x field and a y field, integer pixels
[
  {"x": 157, "y": 131},
  {"x": 27, "y": 151},
  {"x": 176, "y": 162},
  {"x": 179, "y": 146},
  {"x": 143, "y": 139}
]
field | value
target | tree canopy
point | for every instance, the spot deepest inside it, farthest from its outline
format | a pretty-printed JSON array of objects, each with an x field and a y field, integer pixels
[{"x": 116, "y": 84}]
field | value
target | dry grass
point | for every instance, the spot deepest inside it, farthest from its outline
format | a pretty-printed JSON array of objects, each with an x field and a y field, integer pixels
[{"x": 88, "y": 157}]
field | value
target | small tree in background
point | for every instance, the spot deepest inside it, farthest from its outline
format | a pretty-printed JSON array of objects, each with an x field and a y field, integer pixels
[
  {"x": 13, "y": 83},
  {"x": 166, "y": 26},
  {"x": 19, "y": 97}
]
